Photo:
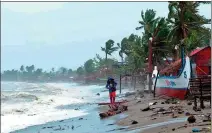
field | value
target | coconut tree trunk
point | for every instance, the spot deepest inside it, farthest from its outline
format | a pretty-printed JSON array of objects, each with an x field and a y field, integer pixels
[{"x": 150, "y": 65}]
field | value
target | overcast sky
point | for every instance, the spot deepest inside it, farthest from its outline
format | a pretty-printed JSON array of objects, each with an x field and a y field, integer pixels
[{"x": 67, "y": 34}]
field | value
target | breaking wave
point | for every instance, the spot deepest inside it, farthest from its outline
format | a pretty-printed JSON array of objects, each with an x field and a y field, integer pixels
[{"x": 38, "y": 103}]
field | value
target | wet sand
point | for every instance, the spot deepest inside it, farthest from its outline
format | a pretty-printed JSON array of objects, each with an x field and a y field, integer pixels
[{"x": 90, "y": 123}]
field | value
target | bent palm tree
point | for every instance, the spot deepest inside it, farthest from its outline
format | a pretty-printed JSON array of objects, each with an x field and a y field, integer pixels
[
  {"x": 185, "y": 20},
  {"x": 157, "y": 29},
  {"x": 109, "y": 49},
  {"x": 123, "y": 48}
]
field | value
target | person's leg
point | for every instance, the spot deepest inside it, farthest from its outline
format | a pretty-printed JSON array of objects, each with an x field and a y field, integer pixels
[
  {"x": 114, "y": 96},
  {"x": 111, "y": 98},
  {"x": 114, "y": 99}
]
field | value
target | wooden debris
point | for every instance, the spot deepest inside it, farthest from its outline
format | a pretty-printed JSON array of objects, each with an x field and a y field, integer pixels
[
  {"x": 161, "y": 110},
  {"x": 154, "y": 103},
  {"x": 146, "y": 109},
  {"x": 167, "y": 112},
  {"x": 115, "y": 109},
  {"x": 138, "y": 101},
  {"x": 180, "y": 112},
  {"x": 203, "y": 124}
]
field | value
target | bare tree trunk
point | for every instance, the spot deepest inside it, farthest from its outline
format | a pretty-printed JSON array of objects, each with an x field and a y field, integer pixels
[{"x": 150, "y": 65}]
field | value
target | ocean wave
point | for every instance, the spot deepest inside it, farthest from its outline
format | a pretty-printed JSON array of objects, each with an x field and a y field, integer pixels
[
  {"x": 45, "y": 102},
  {"x": 20, "y": 95},
  {"x": 14, "y": 111}
]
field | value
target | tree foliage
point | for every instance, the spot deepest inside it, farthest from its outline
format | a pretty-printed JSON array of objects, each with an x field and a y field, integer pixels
[{"x": 89, "y": 66}]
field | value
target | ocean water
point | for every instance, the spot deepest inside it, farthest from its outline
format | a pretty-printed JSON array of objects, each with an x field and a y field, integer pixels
[{"x": 28, "y": 104}]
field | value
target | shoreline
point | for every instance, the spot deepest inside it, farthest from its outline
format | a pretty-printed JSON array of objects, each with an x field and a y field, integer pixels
[
  {"x": 88, "y": 123},
  {"x": 91, "y": 110},
  {"x": 123, "y": 122}
]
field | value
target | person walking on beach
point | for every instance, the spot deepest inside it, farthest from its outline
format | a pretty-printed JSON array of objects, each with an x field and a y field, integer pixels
[{"x": 111, "y": 85}]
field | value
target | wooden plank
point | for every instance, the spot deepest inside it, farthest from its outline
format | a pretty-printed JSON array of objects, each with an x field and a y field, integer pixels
[{"x": 107, "y": 103}]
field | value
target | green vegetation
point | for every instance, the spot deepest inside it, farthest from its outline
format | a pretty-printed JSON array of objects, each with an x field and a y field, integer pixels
[{"x": 184, "y": 28}]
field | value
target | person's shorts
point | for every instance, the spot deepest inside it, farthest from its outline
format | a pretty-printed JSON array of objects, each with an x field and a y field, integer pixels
[{"x": 112, "y": 94}]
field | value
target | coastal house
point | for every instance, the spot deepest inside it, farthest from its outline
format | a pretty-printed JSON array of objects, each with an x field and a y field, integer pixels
[{"x": 201, "y": 61}]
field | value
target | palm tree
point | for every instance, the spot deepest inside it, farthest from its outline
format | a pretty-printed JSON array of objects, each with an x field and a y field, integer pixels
[
  {"x": 137, "y": 53},
  {"x": 52, "y": 69},
  {"x": 147, "y": 20},
  {"x": 109, "y": 49},
  {"x": 38, "y": 72},
  {"x": 156, "y": 30},
  {"x": 99, "y": 61},
  {"x": 154, "y": 36},
  {"x": 63, "y": 71},
  {"x": 122, "y": 46},
  {"x": 70, "y": 72},
  {"x": 185, "y": 19},
  {"x": 22, "y": 68}
]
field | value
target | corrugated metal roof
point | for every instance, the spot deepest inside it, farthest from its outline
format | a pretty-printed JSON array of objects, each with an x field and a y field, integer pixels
[{"x": 194, "y": 52}]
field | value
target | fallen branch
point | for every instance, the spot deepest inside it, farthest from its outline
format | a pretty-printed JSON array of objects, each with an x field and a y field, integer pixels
[{"x": 204, "y": 124}]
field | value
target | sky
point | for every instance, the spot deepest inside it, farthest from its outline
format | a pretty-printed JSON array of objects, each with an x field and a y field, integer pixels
[{"x": 55, "y": 34}]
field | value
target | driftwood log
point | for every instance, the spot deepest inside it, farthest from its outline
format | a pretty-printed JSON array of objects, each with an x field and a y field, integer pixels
[{"x": 114, "y": 109}]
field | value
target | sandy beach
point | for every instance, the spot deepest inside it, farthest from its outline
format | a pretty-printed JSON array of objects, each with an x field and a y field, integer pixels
[{"x": 150, "y": 122}]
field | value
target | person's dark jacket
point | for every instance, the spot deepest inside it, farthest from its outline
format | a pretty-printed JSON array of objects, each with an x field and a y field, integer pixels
[{"x": 111, "y": 85}]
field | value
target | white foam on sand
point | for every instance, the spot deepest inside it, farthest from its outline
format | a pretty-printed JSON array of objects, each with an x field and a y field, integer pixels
[{"x": 13, "y": 122}]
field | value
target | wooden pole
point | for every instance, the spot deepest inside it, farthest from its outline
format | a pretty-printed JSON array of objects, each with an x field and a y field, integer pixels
[
  {"x": 120, "y": 83},
  {"x": 156, "y": 83}
]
